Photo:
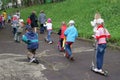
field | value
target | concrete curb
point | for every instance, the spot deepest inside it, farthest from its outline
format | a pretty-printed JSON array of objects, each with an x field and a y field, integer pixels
[
  {"x": 108, "y": 44},
  {"x": 89, "y": 40}
]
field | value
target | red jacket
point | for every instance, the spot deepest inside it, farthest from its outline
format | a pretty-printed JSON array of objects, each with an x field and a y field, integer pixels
[
  {"x": 28, "y": 21},
  {"x": 63, "y": 28}
]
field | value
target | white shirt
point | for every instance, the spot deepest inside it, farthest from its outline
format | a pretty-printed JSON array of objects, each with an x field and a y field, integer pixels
[{"x": 49, "y": 26}]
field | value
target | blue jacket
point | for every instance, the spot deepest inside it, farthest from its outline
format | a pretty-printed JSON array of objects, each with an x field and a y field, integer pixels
[
  {"x": 31, "y": 39},
  {"x": 71, "y": 34}
]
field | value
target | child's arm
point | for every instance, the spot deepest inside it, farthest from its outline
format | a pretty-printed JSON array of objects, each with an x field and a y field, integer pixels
[{"x": 24, "y": 39}]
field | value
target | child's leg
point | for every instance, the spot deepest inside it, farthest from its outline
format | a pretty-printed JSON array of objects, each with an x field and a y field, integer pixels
[
  {"x": 30, "y": 54},
  {"x": 41, "y": 28},
  {"x": 68, "y": 50},
  {"x": 35, "y": 29},
  {"x": 49, "y": 35},
  {"x": 15, "y": 37},
  {"x": 61, "y": 42},
  {"x": 18, "y": 36},
  {"x": 14, "y": 31}
]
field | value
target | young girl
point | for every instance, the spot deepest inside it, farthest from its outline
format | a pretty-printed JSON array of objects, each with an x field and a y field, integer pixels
[
  {"x": 94, "y": 24},
  {"x": 62, "y": 36},
  {"x": 100, "y": 35},
  {"x": 49, "y": 31}
]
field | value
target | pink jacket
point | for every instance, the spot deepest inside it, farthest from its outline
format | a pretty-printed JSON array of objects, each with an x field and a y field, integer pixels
[
  {"x": 101, "y": 34},
  {"x": 63, "y": 28}
]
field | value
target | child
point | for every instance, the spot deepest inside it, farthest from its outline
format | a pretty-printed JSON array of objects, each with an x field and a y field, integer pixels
[
  {"x": 4, "y": 17},
  {"x": 101, "y": 35},
  {"x": 28, "y": 21},
  {"x": 9, "y": 18},
  {"x": 31, "y": 39},
  {"x": 49, "y": 31},
  {"x": 62, "y": 36},
  {"x": 34, "y": 21},
  {"x": 71, "y": 34},
  {"x": 94, "y": 24},
  {"x": 0, "y": 21},
  {"x": 15, "y": 21},
  {"x": 19, "y": 30},
  {"x": 42, "y": 20}
]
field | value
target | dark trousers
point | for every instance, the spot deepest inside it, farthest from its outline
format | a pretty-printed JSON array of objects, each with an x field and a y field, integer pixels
[{"x": 41, "y": 28}]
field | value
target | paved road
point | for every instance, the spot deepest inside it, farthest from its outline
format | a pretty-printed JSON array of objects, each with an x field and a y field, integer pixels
[{"x": 53, "y": 66}]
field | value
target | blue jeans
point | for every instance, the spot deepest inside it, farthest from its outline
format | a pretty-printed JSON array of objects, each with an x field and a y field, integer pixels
[
  {"x": 49, "y": 35},
  {"x": 68, "y": 48},
  {"x": 100, "y": 55}
]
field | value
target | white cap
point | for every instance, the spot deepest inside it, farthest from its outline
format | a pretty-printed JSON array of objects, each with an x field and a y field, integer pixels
[
  {"x": 21, "y": 20},
  {"x": 99, "y": 21},
  {"x": 71, "y": 22},
  {"x": 15, "y": 15}
]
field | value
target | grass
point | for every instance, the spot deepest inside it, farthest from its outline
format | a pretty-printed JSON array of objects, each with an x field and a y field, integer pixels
[{"x": 82, "y": 11}]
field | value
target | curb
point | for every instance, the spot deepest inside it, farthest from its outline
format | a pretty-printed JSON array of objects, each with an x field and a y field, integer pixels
[
  {"x": 89, "y": 40},
  {"x": 108, "y": 44}
]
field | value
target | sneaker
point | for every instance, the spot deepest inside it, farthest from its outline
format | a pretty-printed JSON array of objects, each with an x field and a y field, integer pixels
[
  {"x": 66, "y": 55},
  {"x": 72, "y": 59},
  {"x": 46, "y": 40},
  {"x": 98, "y": 70},
  {"x": 36, "y": 61},
  {"x": 50, "y": 42},
  {"x": 31, "y": 60}
]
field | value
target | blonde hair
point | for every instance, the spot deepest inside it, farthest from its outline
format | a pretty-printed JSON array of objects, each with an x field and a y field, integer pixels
[{"x": 97, "y": 15}]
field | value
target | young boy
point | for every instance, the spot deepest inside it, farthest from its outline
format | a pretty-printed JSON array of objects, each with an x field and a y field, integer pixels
[
  {"x": 71, "y": 34},
  {"x": 31, "y": 39}
]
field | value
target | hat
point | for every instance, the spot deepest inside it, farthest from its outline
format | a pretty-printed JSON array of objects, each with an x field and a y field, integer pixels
[
  {"x": 71, "y": 22},
  {"x": 49, "y": 20},
  {"x": 99, "y": 21},
  {"x": 21, "y": 20}
]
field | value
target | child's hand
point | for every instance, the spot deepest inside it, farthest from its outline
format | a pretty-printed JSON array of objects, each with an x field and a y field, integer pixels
[{"x": 93, "y": 36}]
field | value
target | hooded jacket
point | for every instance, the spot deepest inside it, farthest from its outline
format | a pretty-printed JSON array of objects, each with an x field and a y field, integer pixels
[
  {"x": 71, "y": 34},
  {"x": 31, "y": 39}
]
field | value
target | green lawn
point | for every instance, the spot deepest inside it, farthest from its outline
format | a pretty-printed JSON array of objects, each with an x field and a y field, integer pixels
[{"x": 82, "y": 11}]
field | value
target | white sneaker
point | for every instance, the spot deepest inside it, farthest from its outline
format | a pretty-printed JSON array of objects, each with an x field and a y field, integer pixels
[
  {"x": 50, "y": 42},
  {"x": 98, "y": 70},
  {"x": 31, "y": 60}
]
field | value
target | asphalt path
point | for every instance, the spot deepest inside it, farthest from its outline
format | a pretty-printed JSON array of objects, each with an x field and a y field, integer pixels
[{"x": 53, "y": 65}]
